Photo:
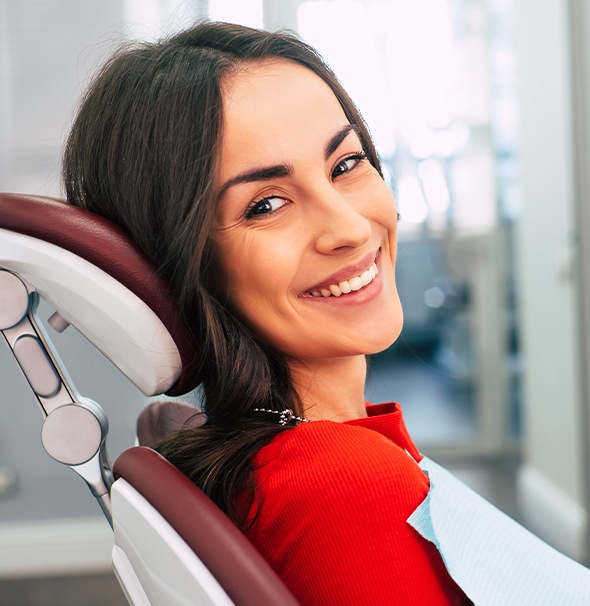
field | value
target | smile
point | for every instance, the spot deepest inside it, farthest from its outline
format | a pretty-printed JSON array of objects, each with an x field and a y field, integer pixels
[{"x": 346, "y": 286}]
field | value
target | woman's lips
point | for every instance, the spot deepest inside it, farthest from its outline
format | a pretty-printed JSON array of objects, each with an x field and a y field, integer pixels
[
  {"x": 348, "y": 281},
  {"x": 347, "y": 286}
]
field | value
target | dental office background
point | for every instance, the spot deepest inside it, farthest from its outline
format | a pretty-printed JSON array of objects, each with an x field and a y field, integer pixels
[{"x": 481, "y": 114}]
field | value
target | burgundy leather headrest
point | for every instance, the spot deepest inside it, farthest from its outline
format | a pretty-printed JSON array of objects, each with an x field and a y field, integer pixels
[{"x": 107, "y": 246}]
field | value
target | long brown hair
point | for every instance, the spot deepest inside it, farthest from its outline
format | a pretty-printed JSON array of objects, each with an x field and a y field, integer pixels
[{"x": 143, "y": 152}]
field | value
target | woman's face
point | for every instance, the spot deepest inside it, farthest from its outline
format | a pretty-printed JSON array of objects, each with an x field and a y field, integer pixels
[{"x": 306, "y": 229}]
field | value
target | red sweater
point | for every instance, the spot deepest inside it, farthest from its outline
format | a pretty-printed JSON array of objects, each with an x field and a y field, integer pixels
[{"x": 332, "y": 504}]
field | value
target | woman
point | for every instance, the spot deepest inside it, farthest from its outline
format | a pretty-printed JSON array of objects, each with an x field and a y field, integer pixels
[{"x": 240, "y": 165}]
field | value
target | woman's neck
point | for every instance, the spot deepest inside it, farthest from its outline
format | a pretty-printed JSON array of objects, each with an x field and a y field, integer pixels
[{"x": 331, "y": 389}]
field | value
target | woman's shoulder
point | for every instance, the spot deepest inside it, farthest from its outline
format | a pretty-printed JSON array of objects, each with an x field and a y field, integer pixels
[
  {"x": 330, "y": 511},
  {"x": 322, "y": 434},
  {"x": 336, "y": 459}
]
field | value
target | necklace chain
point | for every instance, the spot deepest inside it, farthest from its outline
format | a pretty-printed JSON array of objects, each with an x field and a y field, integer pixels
[{"x": 285, "y": 416}]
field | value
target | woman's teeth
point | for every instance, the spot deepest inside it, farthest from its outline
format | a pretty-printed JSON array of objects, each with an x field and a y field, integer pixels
[{"x": 346, "y": 286}]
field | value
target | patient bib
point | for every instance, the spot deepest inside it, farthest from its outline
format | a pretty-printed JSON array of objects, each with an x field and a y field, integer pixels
[{"x": 494, "y": 560}]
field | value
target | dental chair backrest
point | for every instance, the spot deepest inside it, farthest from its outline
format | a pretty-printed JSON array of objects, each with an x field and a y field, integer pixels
[{"x": 172, "y": 545}]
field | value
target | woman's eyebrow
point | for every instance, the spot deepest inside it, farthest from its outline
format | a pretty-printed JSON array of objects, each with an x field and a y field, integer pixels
[
  {"x": 258, "y": 174},
  {"x": 284, "y": 170},
  {"x": 335, "y": 142}
]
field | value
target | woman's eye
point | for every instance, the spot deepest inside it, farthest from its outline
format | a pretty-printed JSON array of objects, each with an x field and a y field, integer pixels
[
  {"x": 348, "y": 164},
  {"x": 265, "y": 206}
]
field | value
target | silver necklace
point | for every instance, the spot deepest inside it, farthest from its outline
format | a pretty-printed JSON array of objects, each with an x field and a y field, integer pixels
[{"x": 285, "y": 416}]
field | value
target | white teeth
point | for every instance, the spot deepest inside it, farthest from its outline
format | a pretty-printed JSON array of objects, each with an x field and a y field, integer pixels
[
  {"x": 366, "y": 277},
  {"x": 346, "y": 286},
  {"x": 355, "y": 283}
]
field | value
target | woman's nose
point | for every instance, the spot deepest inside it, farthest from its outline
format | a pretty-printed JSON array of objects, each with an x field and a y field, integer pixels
[{"x": 340, "y": 224}]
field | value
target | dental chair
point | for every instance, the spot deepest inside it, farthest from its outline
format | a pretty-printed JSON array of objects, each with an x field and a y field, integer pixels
[{"x": 172, "y": 545}]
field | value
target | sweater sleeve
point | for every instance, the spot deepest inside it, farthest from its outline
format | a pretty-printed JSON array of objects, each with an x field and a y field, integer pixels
[{"x": 331, "y": 514}]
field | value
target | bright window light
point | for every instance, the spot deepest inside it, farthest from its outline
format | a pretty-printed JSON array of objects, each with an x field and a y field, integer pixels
[
  {"x": 342, "y": 33},
  {"x": 413, "y": 208},
  {"x": 434, "y": 185},
  {"x": 152, "y": 19},
  {"x": 244, "y": 12}
]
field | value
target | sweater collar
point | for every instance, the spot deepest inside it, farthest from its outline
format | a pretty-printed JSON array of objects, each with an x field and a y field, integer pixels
[{"x": 388, "y": 420}]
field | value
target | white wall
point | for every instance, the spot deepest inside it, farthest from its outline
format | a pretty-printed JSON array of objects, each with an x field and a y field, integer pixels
[
  {"x": 580, "y": 27},
  {"x": 552, "y": 481}
]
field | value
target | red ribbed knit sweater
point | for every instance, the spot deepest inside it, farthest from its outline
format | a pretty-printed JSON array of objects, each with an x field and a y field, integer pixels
[{"x": 332, "y": 504}]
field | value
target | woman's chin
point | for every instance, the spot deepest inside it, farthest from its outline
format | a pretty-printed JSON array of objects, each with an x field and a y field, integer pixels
[
  {"x": 385, "y": 343},
  {"x": 370, "y": 343},
  {"x": 378, "y": 339}
]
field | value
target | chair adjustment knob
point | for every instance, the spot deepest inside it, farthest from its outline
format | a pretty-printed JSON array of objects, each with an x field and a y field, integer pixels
[
  {"x": 14, "y": 300},
  {"x": 72, "y": 434}
]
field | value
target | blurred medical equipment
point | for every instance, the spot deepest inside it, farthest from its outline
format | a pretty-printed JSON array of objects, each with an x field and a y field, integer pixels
[{"x": 172, "y": 545}]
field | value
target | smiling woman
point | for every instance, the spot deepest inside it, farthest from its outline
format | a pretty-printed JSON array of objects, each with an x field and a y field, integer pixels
[
  {"x": 239, "y": 164},
  {"x": 302, "y": 211}
]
